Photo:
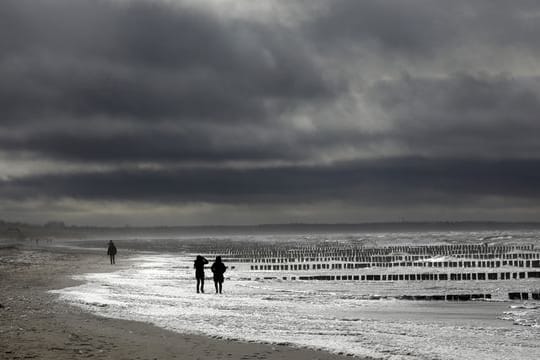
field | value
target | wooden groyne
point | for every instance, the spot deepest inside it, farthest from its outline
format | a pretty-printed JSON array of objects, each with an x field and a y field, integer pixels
[
  {"x": 446, "y": 297},
  {"x": 411, "y": 277},
  {"x": 520, "y": 295},
  {"x": 346, "y": 262}
]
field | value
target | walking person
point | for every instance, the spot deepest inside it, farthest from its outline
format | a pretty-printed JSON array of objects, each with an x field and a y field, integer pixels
[
  {"x": 198, "y": 264},
  {"x": 218, "y": 268},
  {"x": 111, "y": 251}
]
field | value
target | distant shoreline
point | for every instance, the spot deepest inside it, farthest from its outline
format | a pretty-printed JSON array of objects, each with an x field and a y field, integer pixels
[{"x": 20, "y": 231}]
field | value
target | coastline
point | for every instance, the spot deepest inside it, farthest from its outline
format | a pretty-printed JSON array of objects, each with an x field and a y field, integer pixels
[{"x": 33, "y": 324}]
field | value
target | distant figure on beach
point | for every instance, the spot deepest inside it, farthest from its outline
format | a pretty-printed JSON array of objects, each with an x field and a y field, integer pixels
[
  {"x": 199, "y": 272},
  {"x": 218, "y": 268},
  {"x": 111, "y": 251}
]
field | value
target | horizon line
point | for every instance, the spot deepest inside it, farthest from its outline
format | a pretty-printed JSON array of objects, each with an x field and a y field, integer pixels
[{"x": 61, "y": 224}]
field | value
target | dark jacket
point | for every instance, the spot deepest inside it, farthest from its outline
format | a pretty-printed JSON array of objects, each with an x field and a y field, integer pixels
[
  {"x": 199, "y": 266},
  {"x": 111, "y": 250},
  {"x": 218, "y": 268}
]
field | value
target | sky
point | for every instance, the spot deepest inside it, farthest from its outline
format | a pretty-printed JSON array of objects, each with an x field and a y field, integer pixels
[{"x": 196, "y": 112}]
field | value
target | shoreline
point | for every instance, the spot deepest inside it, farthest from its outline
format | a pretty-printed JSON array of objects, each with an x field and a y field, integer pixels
[{"x": 34, "y": 324}]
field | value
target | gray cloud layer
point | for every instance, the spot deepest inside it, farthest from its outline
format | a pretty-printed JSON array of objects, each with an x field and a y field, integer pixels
[
  {"x": 463, "y": 115},
  {"x": 366, "y": 103},
  {"x": 395, "y": 181}
]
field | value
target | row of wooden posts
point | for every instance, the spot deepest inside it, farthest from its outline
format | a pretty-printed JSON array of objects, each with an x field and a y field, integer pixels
[
  {"x": 379, "y": 255},
  {"x": 412, "y": 277},
  {"x": 324, "y": 251},
  {"x": 424, "y": 264}
]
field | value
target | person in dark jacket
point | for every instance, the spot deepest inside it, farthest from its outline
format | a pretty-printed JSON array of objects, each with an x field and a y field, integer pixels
[
  {"x": 199, "y": 272},
  {"x": 218, "y": 268},
  {"x": 111, "y": 251}
]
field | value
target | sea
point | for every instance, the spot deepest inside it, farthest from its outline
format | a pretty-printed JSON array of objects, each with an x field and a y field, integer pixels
[{"x": 155, "y": 284}]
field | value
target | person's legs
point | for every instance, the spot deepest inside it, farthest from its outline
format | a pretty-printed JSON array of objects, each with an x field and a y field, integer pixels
[
  {"x": 113, "y": 259},
  {"x": 202, "y": 284},
  {"x": 216, "y": 285},
  {"x": 198, "y": 283},
  {"x": 220, "y": 286}
]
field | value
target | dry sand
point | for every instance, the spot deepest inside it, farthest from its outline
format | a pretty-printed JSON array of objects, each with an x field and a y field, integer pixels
[{"x": 33, "y": 324}]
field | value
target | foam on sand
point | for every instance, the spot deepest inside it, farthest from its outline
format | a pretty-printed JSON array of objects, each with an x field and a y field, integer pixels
[{"x": 335, "y": 316}]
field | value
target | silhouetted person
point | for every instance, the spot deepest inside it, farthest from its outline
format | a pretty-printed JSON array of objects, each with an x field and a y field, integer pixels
[
  {"x": 218, "y": 268},
  {"x": 198, "y": 264},
  {"x": 111, "y": 251}
]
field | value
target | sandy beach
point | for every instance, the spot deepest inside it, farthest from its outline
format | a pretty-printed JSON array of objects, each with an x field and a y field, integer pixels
[{"x": 33, "y": 324}]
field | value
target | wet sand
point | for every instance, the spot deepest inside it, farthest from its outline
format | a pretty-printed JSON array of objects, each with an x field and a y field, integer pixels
[{"x": 33, "y": 324}]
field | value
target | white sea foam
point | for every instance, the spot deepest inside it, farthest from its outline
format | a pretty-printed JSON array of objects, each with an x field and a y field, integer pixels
[
  {"x": 526, "y": 314},
  {"x": 336, "y": 316}
]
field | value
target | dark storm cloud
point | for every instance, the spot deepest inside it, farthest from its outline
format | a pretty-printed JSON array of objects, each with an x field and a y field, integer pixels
[
  {"x": 135, "y": 81},
  {"x": 413, "y": 27},
  {"x": 233, "y": 109},
  {"x": 147, "y": 62},
  {"x": 474, "y": 115},
  {"x": 150, "y": 145},
  {"x": 458, "y": 115},
  {"x": 420, "y": 28},
  {"x": 383, "y": 183}
]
